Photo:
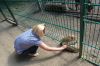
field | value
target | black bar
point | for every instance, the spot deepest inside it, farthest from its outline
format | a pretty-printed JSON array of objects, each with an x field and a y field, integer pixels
[
  {"x": 3, "y": 14},
  {"x": 10, "y": 13},
  {"x": 82, "y": 13}
]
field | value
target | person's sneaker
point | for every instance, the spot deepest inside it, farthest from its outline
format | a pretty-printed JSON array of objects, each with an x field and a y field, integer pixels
[{"x": 34, "y": 55}]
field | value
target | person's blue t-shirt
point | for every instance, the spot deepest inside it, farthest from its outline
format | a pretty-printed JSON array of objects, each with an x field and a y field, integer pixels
[{"x": 26, "y": 40}]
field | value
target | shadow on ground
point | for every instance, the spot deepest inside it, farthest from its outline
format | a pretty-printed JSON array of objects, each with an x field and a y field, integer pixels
[{"x": 15, "y": 60}]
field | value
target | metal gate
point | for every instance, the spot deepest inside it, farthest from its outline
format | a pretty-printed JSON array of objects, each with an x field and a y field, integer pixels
[{"x": 90, "y": 31}]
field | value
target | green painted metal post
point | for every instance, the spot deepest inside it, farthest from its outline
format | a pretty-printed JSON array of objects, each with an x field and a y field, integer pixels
[
  {"x": 37, "y": 1},
  {"x": 14, "y": 21},
  {"x": 82, "y": 13}
]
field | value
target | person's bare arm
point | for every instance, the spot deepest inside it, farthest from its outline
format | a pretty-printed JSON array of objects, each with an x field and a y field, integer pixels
[{"x": 48, "y": 48}]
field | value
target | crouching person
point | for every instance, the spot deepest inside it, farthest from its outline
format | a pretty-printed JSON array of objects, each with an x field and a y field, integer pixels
[{"x": 27, "y": 43}]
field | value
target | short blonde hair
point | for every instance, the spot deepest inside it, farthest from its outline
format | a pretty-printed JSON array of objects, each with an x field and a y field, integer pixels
[{"x": 39, "y": 29}]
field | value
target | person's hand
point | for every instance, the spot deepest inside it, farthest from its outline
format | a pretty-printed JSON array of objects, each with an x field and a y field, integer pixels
[{"x": 64, "y": 46}]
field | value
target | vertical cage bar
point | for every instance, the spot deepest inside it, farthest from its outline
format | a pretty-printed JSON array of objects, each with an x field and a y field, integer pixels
[{"x": 82, "y": 13}]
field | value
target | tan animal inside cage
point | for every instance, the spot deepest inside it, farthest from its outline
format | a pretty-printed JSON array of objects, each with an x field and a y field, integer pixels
[{"x": 70, "y": 40}]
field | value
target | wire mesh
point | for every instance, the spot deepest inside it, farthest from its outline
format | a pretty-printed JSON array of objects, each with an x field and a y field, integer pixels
[{"x": 58, "y": 24}]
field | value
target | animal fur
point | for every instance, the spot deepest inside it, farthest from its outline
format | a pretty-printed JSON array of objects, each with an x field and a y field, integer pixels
[{"x": 66, "y": 41}]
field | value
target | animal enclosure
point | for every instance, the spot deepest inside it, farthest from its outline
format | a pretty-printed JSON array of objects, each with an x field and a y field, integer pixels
[{"x": 62, "y": 17}]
